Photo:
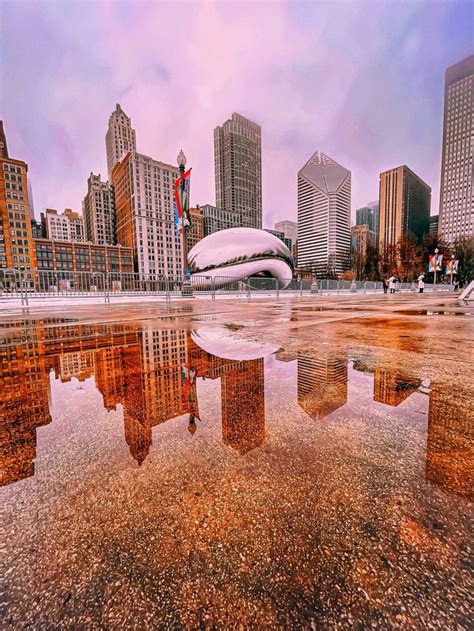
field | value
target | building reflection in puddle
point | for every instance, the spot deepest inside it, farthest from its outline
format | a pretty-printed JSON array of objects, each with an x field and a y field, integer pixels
[
  {"x": 392, "y": 387},
  {"x": 153, "y": 373},
  {"x": 322, "y": 383},
  {"x": 449, "y": 453}
]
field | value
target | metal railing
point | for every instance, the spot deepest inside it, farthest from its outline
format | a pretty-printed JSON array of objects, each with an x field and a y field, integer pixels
[{"x": 31, "y": 284}]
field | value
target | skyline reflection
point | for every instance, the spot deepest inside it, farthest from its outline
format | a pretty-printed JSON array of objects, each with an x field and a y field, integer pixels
[{"x": 154, "y": 374}]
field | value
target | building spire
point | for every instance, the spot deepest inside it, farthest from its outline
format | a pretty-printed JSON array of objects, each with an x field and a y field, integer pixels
[{"x": 3, "y": 142}]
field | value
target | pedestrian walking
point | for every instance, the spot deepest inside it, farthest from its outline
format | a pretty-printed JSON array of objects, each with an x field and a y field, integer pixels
[
  {"x": 421, "y": 283},
  {"x": 392, "y": 284},
  {"x": 385, "y": 284}
]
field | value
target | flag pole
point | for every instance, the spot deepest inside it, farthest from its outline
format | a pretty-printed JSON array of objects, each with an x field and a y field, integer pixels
[{"x": 186, "y": 289}]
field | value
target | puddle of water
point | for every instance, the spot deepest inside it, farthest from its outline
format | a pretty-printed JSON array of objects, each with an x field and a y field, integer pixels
[
  {"x": 426, "y": 312},
  {"x": 193, "y": 478}
]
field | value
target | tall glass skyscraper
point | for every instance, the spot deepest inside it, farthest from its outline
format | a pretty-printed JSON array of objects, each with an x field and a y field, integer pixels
[
  {"x": 369, "y": 215},
  {"x": 456, "y": 206}
]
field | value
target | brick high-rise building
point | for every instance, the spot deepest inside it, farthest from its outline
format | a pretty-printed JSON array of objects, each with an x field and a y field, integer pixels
[
  {"x": 238, "y": 168},
  {"x": 405, "y": 202},
  {"x": 16, "y": 241},
  {"x": 120, "y": 138},
  {"x": 98, "y": 210},
  {"x": 324, "y": 215},
  {"x": 196, "y": 233},
  {"x": 456, "y": 201},
  {"x": 144, "y": 190}
]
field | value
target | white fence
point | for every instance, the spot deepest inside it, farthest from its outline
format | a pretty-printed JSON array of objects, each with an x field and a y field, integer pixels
[{"x": 33, "y": 284}]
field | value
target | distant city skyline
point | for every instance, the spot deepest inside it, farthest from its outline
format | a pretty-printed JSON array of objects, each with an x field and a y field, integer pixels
[{"x": 311, "y": 78}]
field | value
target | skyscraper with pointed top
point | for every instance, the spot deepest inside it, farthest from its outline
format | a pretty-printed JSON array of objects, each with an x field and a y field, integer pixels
[
  {"x": 120, "y": 138},
  {"x": 324, "y": 215}
]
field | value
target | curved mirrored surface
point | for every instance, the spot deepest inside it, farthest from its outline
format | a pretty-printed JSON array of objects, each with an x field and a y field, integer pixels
[{"x": 241, "y": 252}]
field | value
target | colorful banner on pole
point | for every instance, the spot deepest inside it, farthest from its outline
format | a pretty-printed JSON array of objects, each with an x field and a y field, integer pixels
[
  {"x": 436, "y": 263},
  {"x": 181, "y": 202},
  {"x": 452, "y": 266}
]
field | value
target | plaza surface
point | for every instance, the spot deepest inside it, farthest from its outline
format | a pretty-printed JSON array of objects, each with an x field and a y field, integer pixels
[{"x": 292, "y": 463}]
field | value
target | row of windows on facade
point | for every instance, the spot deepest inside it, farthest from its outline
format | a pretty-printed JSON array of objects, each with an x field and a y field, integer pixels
[
  {"x": 11, "y": 168},
  {"x": 13, "y": 241},
  {"x": 458, "y": 135},
  {"x": 18, "y": 215},
  {"x": 123, "y": 130},
  {"x": 13, "y": 187},
  {"x": 13, "y": 178}
]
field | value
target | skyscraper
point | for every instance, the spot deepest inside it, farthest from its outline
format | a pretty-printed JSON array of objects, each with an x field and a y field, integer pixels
[
  {"x": 369, "y": 215},
  {"x": 405, "y": 202},
  {"x": 119, "y": 139},
  {"x": 289, "y": 229},
  {"x": 216, "y": 219},
  {"x": 324, "y": 215},
  {"x": 16, "y": 240},
  {"x": 98, "y": 210},
  {"x": 144, "y": 213},
  {"x": 238, "y": 167},
  {"x": 362, "y": 238},
  {"x": 434, "y": 225},
  {"x": 456, "y": 205}
]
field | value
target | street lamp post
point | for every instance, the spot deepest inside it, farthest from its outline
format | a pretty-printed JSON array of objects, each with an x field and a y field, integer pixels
[
  {"x": 452, "y": 265},
  {"x": 186, "y": 283},
  {"x": 435, "y": 264}
]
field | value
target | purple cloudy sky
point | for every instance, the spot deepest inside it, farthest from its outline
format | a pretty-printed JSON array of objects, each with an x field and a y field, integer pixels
[{"x": 362, "y": 82}]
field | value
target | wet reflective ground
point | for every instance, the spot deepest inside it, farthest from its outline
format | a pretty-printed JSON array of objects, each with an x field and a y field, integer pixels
[{"x": 261, "y": 466}]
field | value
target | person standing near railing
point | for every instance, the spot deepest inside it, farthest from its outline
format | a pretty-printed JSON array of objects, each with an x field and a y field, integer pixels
[
  {"x": 421, "y": 283},
  {"x": 392, "y": 284}
]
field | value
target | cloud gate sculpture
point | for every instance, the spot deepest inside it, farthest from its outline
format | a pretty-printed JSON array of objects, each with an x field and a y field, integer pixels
[{"x": 239, "y": 253}]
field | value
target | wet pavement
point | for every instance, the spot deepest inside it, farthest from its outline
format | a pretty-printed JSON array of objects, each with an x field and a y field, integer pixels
[{"x": 285, "y": 464}]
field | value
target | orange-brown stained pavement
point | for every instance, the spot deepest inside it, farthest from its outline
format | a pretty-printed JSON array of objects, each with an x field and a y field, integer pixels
[{"x": 293, "y": 464}]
